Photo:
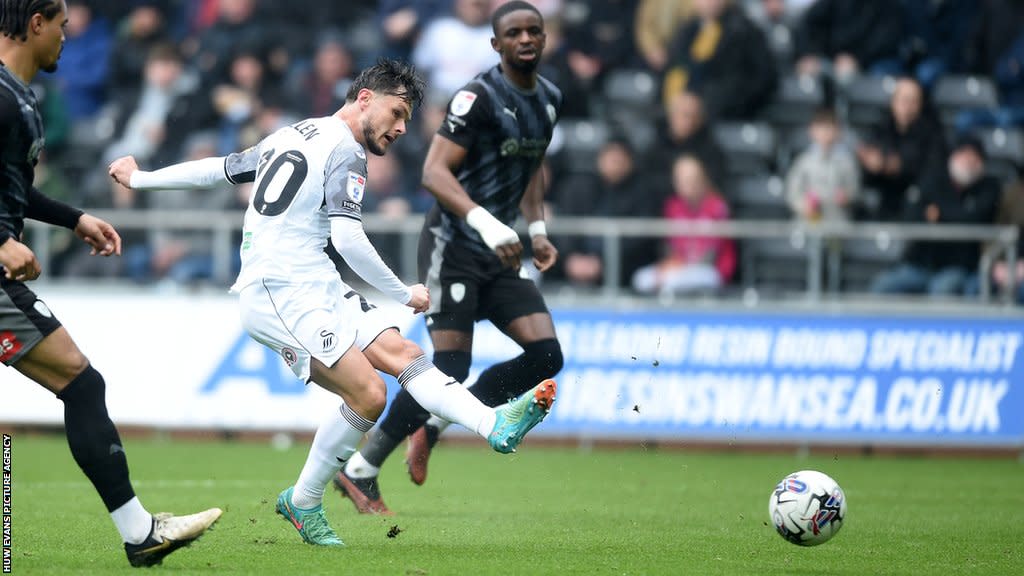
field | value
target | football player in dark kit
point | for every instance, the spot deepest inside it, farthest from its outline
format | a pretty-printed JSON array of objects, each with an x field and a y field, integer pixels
[
  {"x": 32, "y": 340},
  {"x": 484, "y": 167}
]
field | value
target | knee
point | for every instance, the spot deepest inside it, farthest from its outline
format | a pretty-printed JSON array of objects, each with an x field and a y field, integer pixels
[
  {"x": 546, "y": 355},
  {"x": 372, "y": 399}
]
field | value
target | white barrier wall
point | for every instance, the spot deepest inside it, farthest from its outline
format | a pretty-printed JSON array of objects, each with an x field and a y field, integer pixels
[
  {"x": 181, "y": 361},
  {"x": 173, "y": 361}
]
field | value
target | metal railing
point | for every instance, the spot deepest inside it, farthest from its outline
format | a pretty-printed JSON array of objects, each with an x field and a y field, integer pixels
[{"x": 813, "y": 238}]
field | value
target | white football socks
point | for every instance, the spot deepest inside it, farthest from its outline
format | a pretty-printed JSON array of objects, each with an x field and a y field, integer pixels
[
  {"x": 441, "y": 395},
  {"x": 336, "y": 439},
  {"x": 132, "y": 521},
  {"x": 439, "y": 423},
  {"x": 358, "y": 467}
]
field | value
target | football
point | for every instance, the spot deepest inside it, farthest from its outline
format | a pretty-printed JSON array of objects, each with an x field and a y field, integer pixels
[{"x": 807, "y": 508}]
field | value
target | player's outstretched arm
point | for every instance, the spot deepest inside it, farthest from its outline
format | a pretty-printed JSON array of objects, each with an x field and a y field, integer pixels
[
  {"x": 443, "y": 159},
  {"x": 532, "y": 206},
  {"x": 194, "y": 174}
]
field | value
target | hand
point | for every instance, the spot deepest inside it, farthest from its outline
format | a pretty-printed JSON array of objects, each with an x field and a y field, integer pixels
[
  {"x": 931, "y": 213},
  {"x": 18, "y": 261},
  {"x": 101, "y": 236},
  {"x": 121, "y": 170},
  {"x": 420, "y": 300},
  {"x": 871, "y": 158},
  {"x": 497, "y": 235},
  {"x": 544, "y": 253}
]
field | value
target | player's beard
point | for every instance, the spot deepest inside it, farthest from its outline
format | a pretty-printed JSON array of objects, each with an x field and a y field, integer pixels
[
  {"x": 527, "y": 66},
  {"x": 370, "y": 139},
  {"x": 52, "y": 66}
]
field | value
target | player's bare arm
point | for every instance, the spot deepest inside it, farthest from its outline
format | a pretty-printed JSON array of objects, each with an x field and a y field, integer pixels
[
  {"x": 443, "y": 160},
  {"x": 532, "y": 206}
]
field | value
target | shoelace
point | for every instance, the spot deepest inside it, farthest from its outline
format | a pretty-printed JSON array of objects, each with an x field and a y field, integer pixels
[{"x": 319, "y": 529}]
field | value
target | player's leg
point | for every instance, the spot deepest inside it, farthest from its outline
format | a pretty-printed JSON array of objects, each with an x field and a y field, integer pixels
[
  {"x": 453, "y": 277},
  {"x": 358, "y": 480},
  {"x": 46, "y": 354},
  {"x": 364, "y": 394},
  {"x": 311, "y": 328},
  {"x": 517, "y": 308}
]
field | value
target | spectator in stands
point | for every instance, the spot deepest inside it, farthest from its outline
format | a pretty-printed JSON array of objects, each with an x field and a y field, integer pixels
[
  {"x": 236, "y": 25},
  {"x": 996, "y": 48},
  {"x": 934, "y": 38},
  {"x": 138, "y": 32},
  {"x": 842, "y": 38},
  {"x": 402, "y": 21},
  {"x": 449, "y": 52},
  {"x": 241, "y": 97},
  {"x": 779, "y": 19},
  {"x": 685, "y": 131},
  {"x": 720, "y": 55},
  {"x": 693, "y": 263},
  {"x": 824, "y": 181},
  {"x": 555, "y": 67},
  {"x": 656, "y": 23},
  {"x": 954, "y": 191},
  {"x": 321, "y": 90},
  {"x": 895, "y": 151},
  {"x": 600, "y": 37},
  {"x": 1011, "y": 213},
  {"x": 164, "y": 82},
  {"x": 84, "y": 70},
  {"x": 616, "y": 190}
]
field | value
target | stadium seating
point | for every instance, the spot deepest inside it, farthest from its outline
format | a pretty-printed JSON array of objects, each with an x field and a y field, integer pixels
[
  {"x": 953, "y": 94},
  {"x": 751, "y": 147},
  {"x": 582, "y": 140},
  {"x": 864, "y": 100}
]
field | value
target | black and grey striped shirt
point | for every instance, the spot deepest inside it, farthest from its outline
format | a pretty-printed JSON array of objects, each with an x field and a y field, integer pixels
[
  {"x": 21, "y": 140},
  {"x": 506, "y": 131}
]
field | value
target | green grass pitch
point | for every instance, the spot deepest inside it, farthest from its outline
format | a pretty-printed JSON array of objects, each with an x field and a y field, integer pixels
[{"x": 541, "y": 511}]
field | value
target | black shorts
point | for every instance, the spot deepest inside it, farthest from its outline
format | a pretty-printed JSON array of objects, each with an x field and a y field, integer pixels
[
  {"x": 467, "y": 285},
  {"x": 24, "y": 320}
]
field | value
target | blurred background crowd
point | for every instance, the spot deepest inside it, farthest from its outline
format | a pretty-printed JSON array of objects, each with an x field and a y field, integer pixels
[{"x": 817, "y": 110}]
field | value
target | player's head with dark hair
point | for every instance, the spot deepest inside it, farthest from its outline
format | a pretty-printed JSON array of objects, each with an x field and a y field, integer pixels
[
  {"x": 15, "y": 15},
  {"x": 39, "y": 24},
  {"x": 518, "y": 35},
  {"x": 508, "y": 8},
  {"x": 389, "y": 77},
  {"x": 383, "y": 96}
]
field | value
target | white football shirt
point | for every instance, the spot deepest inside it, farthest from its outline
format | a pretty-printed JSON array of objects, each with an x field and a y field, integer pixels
[{"x": 304, "y": 174}]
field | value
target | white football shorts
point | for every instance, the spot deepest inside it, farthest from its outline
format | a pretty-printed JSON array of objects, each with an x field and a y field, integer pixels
[{"x": 319, "y": 319}]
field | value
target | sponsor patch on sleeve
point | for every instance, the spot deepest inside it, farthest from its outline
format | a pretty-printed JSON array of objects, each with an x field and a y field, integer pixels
[
  {"x": 462, "y": 102},
  {"x": 356, "y": 184}
]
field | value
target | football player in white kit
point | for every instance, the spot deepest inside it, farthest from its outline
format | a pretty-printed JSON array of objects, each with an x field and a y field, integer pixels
[{"x": 308, "y": 181}]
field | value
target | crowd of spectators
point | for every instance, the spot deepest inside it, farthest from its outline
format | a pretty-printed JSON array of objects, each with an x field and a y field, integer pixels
[{"x": 867, "y": 110}]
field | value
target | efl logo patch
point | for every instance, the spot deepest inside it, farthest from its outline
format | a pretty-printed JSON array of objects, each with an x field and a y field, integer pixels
[
  {"x": 9, "y": 346},
  {"x": 290, "y": 358},
  {"x": 356, "y": 185},
  {"x": 462, "y": 102}
]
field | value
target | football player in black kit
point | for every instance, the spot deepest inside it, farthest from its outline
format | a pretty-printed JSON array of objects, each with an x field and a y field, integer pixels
[
  {"x": 32, "y": 340},
  {"x": 484, "y": 167}
]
